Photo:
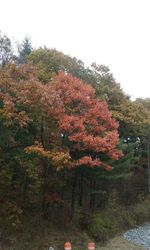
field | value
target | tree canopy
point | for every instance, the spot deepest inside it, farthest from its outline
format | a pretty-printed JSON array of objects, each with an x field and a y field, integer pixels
[{"x": 69, "y": 134}]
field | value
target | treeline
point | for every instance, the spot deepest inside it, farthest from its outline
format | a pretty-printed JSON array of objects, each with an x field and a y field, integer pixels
[{"x": 69, "y": 136}]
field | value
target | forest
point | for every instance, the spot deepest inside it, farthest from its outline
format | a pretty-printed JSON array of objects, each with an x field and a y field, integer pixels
[{"x": 74, "y": 147}]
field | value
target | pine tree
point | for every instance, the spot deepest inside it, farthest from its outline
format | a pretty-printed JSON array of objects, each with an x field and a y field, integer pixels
[{"x": 24, "y": 49}]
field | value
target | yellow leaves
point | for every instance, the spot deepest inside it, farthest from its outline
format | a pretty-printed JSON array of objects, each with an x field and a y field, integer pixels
[
  {"x": 133, "y": 116},
  {"x": 58, "y": 159},
  {"x": 37, "y": 149},
  {"x": 132, "y": 112},
  {"x": 61, "y": 159}
]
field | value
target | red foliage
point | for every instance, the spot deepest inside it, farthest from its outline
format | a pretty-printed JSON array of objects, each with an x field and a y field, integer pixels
[
  {"x": 85, "y": 120},
  {"x": 69, "y": 109}
]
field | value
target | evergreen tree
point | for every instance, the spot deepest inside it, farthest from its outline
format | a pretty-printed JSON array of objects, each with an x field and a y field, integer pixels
[
  {"x": 24, "y": 49},
  {"x": 6, "y": 52}
]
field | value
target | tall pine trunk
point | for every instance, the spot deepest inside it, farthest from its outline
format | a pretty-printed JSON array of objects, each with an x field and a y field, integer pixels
[
  {"x": 81, "y": 184},
  {"x": 73, "y": 194}
]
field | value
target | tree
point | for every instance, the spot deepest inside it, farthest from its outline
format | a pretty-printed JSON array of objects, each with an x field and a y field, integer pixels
[
  {"x": 50, "y": 129},
  {"x": 24, "y": 49},
  {"x": 50, "y": 61},
  {"x": 144, "y": 101},
  {"x": 83, "y": 124},
  {"x": 134, "y": 119},
  {"x": 87, "y": 123},
  {"x": 83, "y": 128},
  {"x": 6, "y": 52}
]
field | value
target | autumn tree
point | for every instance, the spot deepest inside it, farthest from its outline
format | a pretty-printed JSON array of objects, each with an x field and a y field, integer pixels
[
  {"x": 87, "y": 128},
  {"x": 87, "y": 123},
  {"x": 48, "y": 129}
]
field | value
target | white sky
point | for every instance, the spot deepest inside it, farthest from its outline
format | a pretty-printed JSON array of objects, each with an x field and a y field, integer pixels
[{"x": 111, "y": 32}]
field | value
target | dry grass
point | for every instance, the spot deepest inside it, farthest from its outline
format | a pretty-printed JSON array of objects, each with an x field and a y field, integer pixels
[
  {"x": 119, "y": 243},
  {"x": 48, "y": 237}
]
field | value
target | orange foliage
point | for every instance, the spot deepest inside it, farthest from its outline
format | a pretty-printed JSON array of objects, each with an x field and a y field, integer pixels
[
  {"x": 69, "y": 109},
  {"x": 86, "y": 121}
]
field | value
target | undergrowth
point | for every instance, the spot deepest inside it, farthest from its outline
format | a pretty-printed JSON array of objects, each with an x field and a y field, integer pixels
[{"x": 100, "y": 226}]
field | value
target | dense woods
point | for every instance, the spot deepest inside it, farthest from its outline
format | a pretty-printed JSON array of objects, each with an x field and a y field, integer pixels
[{"x": 71, "y": 140}]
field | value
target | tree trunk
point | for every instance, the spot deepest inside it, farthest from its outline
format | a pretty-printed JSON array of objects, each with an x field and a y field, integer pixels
[
  {"x": 73, "y": 195},
  {"x": 92, "y": 196},
  {"x": 148, "y": 163},
  {"x": 81, "y": 182}
]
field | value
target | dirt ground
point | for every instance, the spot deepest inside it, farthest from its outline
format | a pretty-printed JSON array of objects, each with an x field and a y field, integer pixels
[{"x": 119, "y": 243}]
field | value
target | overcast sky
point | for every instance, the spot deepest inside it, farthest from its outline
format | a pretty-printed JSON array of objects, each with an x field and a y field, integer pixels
[{"x": 111, "y": 32}]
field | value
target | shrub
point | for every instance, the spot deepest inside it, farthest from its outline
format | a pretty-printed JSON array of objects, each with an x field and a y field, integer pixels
[
  {"x": 142, "y": 211},
  {"x": 100, "y": 227}
]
